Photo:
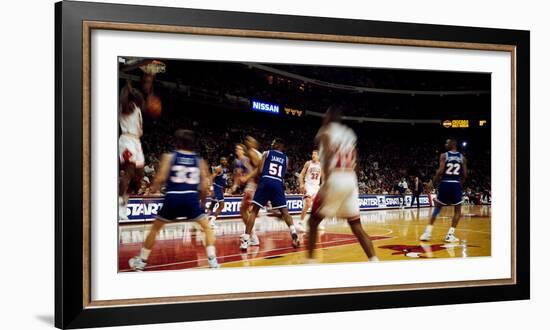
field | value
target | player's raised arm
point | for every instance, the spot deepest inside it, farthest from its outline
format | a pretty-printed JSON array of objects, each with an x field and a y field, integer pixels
[
  {"x": 162, "y": 174},
  {"x": 130, "y": 98},
  {"x": 441, "y": 168},
  {"x": 302, "y": 176}
]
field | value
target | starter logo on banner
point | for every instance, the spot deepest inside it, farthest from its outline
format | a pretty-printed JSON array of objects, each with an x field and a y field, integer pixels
[{"x": 146, "y": 208}]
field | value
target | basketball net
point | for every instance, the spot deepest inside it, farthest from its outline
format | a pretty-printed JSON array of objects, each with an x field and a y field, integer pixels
[{"x": 153, "y": 67}]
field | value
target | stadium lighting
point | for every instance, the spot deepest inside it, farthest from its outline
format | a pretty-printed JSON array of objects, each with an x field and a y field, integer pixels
[{"x": 464, "y": 144}]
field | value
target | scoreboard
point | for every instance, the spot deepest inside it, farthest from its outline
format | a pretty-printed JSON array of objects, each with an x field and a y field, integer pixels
[{"x": 463, "y": 123}]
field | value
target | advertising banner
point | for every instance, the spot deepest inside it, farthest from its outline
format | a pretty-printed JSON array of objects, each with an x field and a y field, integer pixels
[{"x": 146, "y": 208}]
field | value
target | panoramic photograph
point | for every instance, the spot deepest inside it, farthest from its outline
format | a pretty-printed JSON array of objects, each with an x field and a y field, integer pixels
[{"x": 234, "y": 164}]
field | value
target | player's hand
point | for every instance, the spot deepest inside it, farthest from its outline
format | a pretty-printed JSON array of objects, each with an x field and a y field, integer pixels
[{"x": 302, "y": 189}]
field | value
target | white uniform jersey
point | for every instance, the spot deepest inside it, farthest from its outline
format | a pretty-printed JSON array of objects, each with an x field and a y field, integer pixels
[
  {"x": 131, "y": 123},
  {"x": 313, "y": 174},
  {"x": 340, "y": 197},
  {"x": 129, "y": 145},
  {"x": 342, "y": 141}
]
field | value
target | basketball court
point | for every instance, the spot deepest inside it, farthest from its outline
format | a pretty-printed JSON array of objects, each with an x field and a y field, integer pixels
[{"x": 395, "y": 234}]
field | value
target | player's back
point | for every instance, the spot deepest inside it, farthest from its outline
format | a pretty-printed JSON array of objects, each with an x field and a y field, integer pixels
[
  {"x": 342, "y": 140},
  {"x": 274, "y": 165},
  {"x": 453, "y": 167},
  {"x": 184, "y": 173},
  {"x": 131, "y": 123}
]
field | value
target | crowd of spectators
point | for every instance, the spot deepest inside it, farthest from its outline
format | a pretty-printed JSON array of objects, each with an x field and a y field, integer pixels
[{"x": 382, "y": 160}]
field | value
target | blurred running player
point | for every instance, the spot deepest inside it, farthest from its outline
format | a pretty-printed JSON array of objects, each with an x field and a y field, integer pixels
[
  {"x": 271, "y": 189},
  {"x": 185, "y": 176},
  {"x": 218, "y": 188},
  {"x": 254, "y": 157},
  {"x": 130, "y": 153},
  {"x": 452, "y": 172},
  {"x": 339, "y": 193},
  {"x": 310, "y": 181}
]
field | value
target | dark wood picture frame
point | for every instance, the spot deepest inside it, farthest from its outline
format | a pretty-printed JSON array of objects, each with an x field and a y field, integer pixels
[{"x": 74, "y": 22}]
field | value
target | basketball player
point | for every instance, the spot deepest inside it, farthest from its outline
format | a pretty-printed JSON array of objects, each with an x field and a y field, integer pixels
[
  {"x": 271, "y": 189},
  {"x": 185, "y": 175},
  {"x": 254, "y": 157},
  {"x": 218, "y": 188},
  {"x": 241, "y": 167},
  {"x": 310, "y": 180},
  {"x": 339, "y": 193},
  {"x": 452, "y": 171},
  {"x": 130, "y": 153}
]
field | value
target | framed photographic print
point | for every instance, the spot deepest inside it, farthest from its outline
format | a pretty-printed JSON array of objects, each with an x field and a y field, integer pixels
[{"x": 216, "y": 164}]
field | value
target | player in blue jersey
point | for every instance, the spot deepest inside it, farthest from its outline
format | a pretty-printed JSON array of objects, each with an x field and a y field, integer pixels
[
  {"x": 219, "y": 173},
  {"x": 451, "y": 174},
  {"x": 185, "y": 176},
  {"x": 271, "y": 188}
]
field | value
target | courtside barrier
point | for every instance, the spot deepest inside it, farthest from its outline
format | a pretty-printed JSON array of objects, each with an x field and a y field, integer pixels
[{"x": 145, "y": 208}]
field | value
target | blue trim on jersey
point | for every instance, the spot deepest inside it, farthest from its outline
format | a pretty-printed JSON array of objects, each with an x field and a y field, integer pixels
[
  {"x": 274, "y": 166},
  {"x": 272, "y": 177}
]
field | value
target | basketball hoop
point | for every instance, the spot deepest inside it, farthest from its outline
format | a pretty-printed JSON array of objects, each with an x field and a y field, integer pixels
[{"x": 153, "y": 67}]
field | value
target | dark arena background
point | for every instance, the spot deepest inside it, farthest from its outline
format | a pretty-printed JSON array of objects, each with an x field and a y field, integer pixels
[{"x": 401, "y": 117}]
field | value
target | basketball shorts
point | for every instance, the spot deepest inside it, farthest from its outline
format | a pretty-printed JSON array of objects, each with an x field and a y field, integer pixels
[
  {"x": 179, "y": 206},
  {"x": 217, "y": 193},
  {"x": 129, "y": 150},
  {"x": 311, "y": 190},
  {"x": 449, "y": 193},
  {"x": 270, "y": 190},
  {"x": 339, "y": 197}
]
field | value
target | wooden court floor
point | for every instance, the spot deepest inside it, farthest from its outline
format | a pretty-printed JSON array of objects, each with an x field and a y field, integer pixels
[{"x": 394, "y": 232}]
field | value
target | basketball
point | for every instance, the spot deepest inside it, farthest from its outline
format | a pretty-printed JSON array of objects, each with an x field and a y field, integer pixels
[{"x": 153, "y": 106}]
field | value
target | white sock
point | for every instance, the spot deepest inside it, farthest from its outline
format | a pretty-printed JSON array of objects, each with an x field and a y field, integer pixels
[
  {"x": 429, "y": 228},
  {"x": 451, "y": 231},
  {"x": 211, "y": 251},
  {"x": 374, "y": 259},
  {"x": 292, "y": 229},
  {"x": 144, "y": 255},
  {"x": 246, "y": 237}
]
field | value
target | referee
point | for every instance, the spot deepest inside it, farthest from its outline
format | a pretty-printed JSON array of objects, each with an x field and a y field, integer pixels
[
  {"x": 416, "y": 188},
  {"x": 402, "y": 188}
]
